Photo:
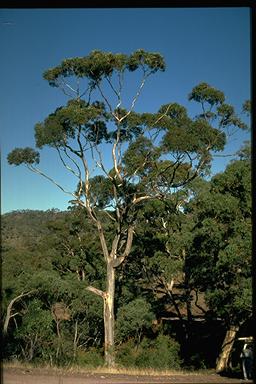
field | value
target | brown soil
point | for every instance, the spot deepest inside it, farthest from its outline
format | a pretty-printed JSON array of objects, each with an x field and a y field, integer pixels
[{"x": 44, "y": 376}]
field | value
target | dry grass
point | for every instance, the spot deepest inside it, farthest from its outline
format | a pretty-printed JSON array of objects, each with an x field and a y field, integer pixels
[{"x": 103, "y": 370}]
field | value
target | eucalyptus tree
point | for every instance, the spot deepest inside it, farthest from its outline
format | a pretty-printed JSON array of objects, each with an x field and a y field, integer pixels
[{"x": 121, "y": 158}]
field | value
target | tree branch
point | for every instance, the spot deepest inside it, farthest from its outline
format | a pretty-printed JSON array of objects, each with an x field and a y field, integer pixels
[
  {"x": 38, "y": 171},
  {"x": 9, "y": 309},
  {"x": 119, "y": 260},
  {"x": 136, "y": 97},
  {"x": 97, "y": 291},
  {"x": 78, "y": 175}
]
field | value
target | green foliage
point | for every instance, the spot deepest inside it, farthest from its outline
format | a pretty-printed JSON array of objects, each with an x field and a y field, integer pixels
[
  {"x": 127, "y": 129},
  {"x": 77, "y": 118},
  {"x": 236, "y": 182},
  {"x": 161, "y": 353},
  {"x": 247, "y": 106},
  {"x": 162, "y": 265},
  {"x": 26, "y": 156},
  {"x": 36, "y": 321},
  {"x": 228, "y": 116},
  {"x": 218, "y": 250},
  {"x": 101, "y": 191},
  {"x": 193, "y": 137},
  {"x": 245, "y": 151},
  {"x": 184, "y": 134},
  {"x": 73, "y": 248},
  {"x": 133, "y": 318},
  {"x": 36, "y": 330},
  {"x": 175, "y": 111},
  {"x": 162, "y": 241},
  {"x": 22, "y": 260},
  {"x": 209, "y": 96},
  {"x": 92, "y": 358},
  {"x": 58, "y": 276},
  {"x": 99, "y": 64},
  {"x": 222, "y": 243},
  {"x": 140, "y": 157},
  {"x": 153, "y": 61},
  {"x": 203, "y": 92}
]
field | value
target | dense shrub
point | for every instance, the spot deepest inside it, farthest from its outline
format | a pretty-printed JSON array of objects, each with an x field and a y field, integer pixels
[
  {"x": 35, "y": 332},
  {"x": 91, "y": 358},
  {"x": 132, "y": 319},
  {"x": 161, "y": 353}
]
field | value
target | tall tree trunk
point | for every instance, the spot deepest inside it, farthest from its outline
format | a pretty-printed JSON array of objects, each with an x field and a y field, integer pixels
[
  {"x": 226, "y": 348},
  {"x": 108, "y": 296},
  {"x": 109, "y": 320}
]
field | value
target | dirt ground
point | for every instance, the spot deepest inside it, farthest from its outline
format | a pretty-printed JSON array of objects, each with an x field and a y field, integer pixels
[{"x": 43, "y": 376}]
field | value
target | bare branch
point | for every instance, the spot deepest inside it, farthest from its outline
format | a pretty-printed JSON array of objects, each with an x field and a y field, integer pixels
[
  {"x": 106, "y": 100},
  {"x": 97, "y": 291},
  {"x": 9, "y": 315},
  {"x": 142, "y": 198},
  {"x": 114, "y": 157},
  {"x": 196, "y": 302},
  {"x": 62, "y": 84},
  {"x": 72, "y": 89},
  {"x": 100, "y": 163},
  {"x": 112, "y": 87},
  {"x": 115, "y": 243},
  {"x": 136, "y": 97},
  {"x": 119, "y": 260},
  {"x": 164, "y": 114},
  {"x": 110, "y": 216},
  {"x": 84, "y": 93},
  {"x": 227, "y": 155},
  {"x": 78, "y": 175},
  {"x": 38, "y": 171},
  {"x": 102, "y": 240}
]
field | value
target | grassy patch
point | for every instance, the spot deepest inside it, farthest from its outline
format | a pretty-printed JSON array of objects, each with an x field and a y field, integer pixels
[{"x": 74, "y": 369}]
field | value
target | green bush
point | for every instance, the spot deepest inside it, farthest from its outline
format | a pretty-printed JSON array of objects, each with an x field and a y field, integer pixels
[
  {"x": 35, "y": 332},
  {"x": 91, "y": 358},
  {"x": 126, "y": 354},
  {"x": 161, "y": 353},
  {"x": 132, "y": 319}
]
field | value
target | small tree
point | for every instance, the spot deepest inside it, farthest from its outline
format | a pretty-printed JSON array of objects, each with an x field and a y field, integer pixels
[
  {"x": 151, "y": 154},
  {"x": 133, "y": 318},
  {"x": 36, "y": 330}
]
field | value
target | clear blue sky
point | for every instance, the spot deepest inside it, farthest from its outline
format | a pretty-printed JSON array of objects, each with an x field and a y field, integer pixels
[{"x": 198, "y": 44}]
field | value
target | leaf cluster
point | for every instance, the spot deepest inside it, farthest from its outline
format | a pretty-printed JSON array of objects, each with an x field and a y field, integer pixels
[
  {"x": 26, "y": 156},
  {"x": 99, "y": 64},
  {"x": 77, "y": 119},
  {"x": 205, "y": 93},
  {"x": 133, "y": 317}
]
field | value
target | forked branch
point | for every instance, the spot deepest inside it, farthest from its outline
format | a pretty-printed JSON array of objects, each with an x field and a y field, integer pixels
[{"x": 9, "y": 314}]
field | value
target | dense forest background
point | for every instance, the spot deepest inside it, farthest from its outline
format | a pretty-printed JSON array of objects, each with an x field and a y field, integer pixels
[{"x": 184, "y": 292}]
